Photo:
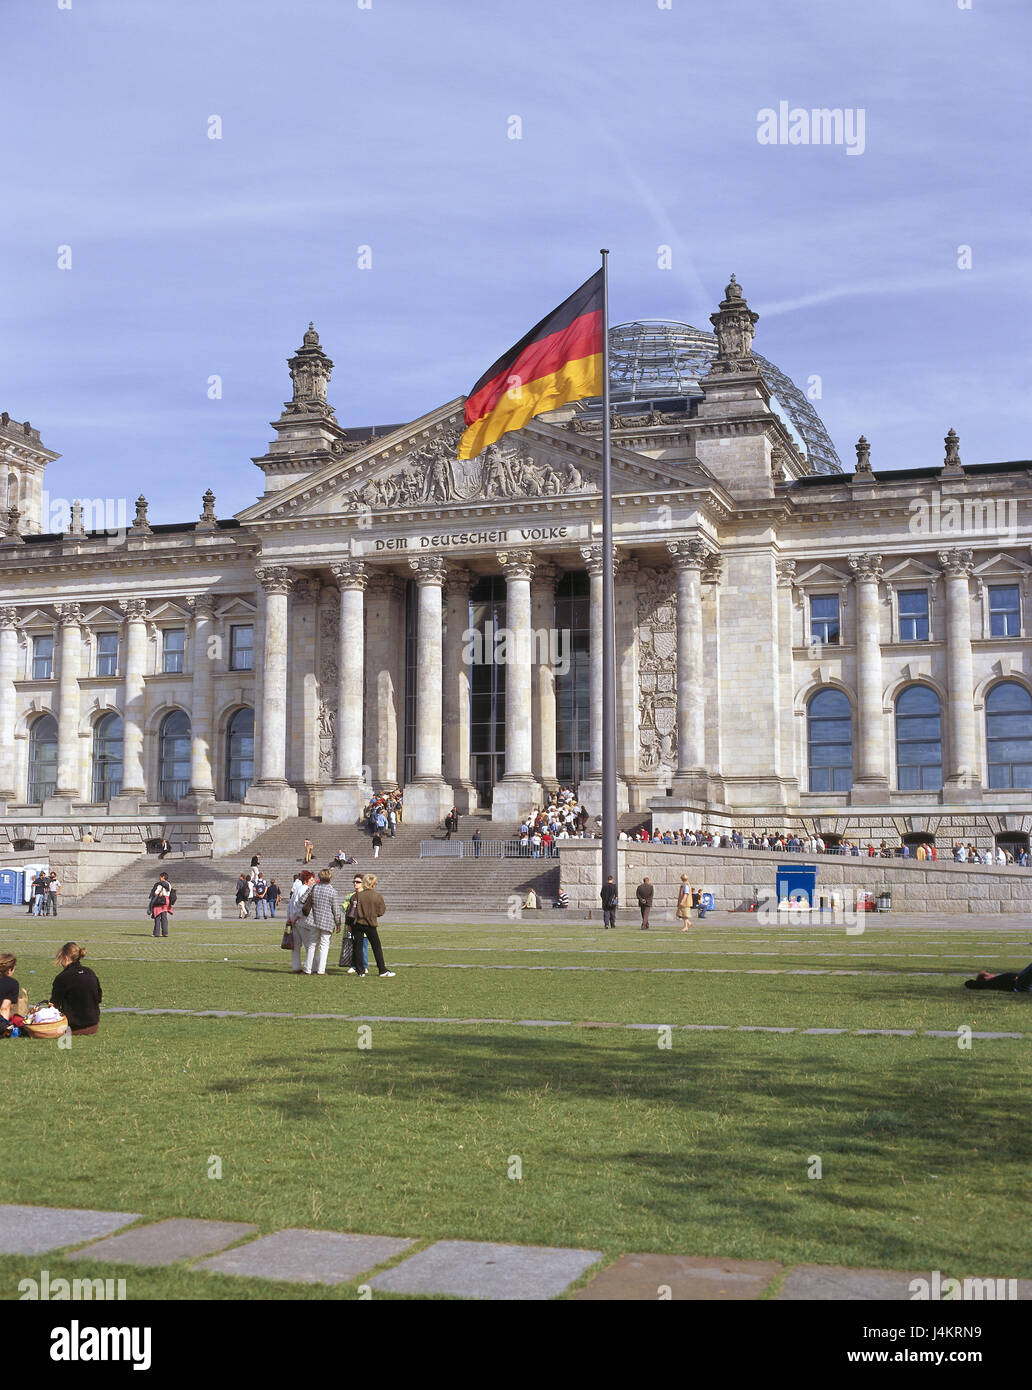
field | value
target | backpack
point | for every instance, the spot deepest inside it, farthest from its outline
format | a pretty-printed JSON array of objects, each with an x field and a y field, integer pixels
[{"x": 172, "y": 898}]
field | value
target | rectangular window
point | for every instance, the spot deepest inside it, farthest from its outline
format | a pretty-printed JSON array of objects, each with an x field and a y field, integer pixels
[
  {"x": 1004, "y": 611},
  {"x": 824, "y": 619},
  {"x": 42, "y": 658},
  {"x": 173, "y": 644},
  {"x": 107, "y": 653},
  {"x": 241, "y": 648},
  {"x": 913, "y": 615}
]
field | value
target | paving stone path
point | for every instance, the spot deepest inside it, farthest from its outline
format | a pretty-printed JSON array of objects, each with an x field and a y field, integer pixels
[
  {"x": 580, "y": 1023},
  {"x": 455, "y": 1268}
]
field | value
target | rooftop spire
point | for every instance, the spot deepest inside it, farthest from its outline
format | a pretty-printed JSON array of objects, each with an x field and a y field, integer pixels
[
  {"x": 310, "y": 371},
  {"x": 734, "y": 324}
]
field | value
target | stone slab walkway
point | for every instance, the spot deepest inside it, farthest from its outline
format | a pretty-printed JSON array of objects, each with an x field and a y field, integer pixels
[
  {"x": 38, "y": 1230},
  {"x": 166, "y": 1242},
  {"x": 455, "y": 1268},
  {"x": 478, "y": 1269}
]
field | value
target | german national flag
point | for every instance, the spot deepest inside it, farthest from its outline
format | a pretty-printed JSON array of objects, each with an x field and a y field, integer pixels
[{"x": 559, "y": 360}]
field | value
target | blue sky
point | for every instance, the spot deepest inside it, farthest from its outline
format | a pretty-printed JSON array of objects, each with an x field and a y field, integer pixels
[{"x": 388, "y": 127}]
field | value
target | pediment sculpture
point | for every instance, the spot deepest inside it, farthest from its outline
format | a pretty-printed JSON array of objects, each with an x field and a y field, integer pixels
[{"x": 434, "y": 475}]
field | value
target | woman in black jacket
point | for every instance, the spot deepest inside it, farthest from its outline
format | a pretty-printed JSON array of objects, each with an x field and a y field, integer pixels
[{"x": 76, "y": 991}]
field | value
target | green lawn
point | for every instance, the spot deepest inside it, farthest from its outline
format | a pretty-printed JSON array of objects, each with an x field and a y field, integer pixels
[{"x": 701, "y": 1147}]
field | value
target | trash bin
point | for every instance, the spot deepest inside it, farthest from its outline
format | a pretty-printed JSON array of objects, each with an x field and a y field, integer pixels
[
  {"x": 12, "y": 886},
  {"x": 796, "y": 882},
  {"x": 885, "y": 900}
]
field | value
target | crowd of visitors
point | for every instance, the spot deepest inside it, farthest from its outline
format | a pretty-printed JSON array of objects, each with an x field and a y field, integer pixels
[
  {"x": 563, "y": 818},
  {"x": 43, "y": 891},
  {"x": 382, "y": 813},
  {"x": 789, "y": 842},
  {"x": 315, "y": 913}
]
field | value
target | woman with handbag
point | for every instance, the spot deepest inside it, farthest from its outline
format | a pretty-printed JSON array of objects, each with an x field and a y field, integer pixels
[
  {"x": 297, "y": 922},
  {"x": 323, "y": 913},
  {"x": 347, "y": 948},
  {"x": 684, "y": 903}
]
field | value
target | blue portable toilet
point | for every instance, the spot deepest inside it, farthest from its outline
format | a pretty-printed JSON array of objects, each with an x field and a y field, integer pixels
[
  {"x": 12, "y": 886},
  {"x": 797, "y": 881}
]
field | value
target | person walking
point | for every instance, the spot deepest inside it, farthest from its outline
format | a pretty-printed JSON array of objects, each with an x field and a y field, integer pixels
[
  {"x": 369, "y": 908},
  {"x": 610, "y": 898},
  {"x": 392, "y": 821},
  {"x": 324, "y": 921},
  {"x": 477, "y": 837},
  {"x": 272, "y": 896},
  {"x": 161, "y": 899},
  {"x": 53, "y": 888},
  {"x": 297, "y": 922},
  {"x": 76, "y": 991},
  {"x": 261, "y": 907},
  {"x": 309, "y": 851},
  {"x": 645, "y": 893},
  {"x": 377, "y": 844},
  {"x": 350, "y": 908},
  {"x": 684, "y": 903},
  {"x": 243, "y": 893}
]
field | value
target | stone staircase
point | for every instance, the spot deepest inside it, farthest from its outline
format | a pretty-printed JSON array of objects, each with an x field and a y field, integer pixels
[{"x": 407, "y": 882}]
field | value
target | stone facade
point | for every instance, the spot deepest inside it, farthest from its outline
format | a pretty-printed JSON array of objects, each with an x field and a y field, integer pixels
[{"x": 747, "y": 583}]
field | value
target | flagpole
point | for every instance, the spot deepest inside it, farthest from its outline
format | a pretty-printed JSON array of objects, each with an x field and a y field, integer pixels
[{"x": 608, "y": 612}]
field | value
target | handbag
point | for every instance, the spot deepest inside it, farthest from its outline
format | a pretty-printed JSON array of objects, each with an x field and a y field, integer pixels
[
  {"x": 287, "y": 940},
  {"x": 347, "y": 951},
  {"x": 308, "y": 902}
]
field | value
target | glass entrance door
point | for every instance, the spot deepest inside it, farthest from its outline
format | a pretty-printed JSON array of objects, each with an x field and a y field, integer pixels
[{"x": 487, "y": 685}]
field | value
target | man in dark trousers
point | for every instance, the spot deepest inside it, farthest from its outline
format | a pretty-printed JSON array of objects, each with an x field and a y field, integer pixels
[
  {"x": 646, "y": 892},
  {"x": 476, "y": 844},
  {"x": 610, "y": 897}
]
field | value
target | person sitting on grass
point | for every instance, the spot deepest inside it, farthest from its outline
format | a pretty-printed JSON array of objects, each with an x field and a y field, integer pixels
[
  {"x": 1008, "y": 981},
  {"x": 76, "y": 990},
  {"x": 9, "y": 987}
]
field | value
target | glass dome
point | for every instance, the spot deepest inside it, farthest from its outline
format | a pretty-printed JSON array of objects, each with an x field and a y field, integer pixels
[{"x": 660, "y": 362}]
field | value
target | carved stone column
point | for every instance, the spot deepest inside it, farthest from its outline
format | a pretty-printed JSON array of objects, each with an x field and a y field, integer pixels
[
  {"x": 385, "y": 678},
  {"x": 272, "y": 789},
  {"x": 202, "y": 714},
  {"x": 871, "y": 782},
  {"x": 69, "y": 789},
  {"x": 688, "y": 557},
  {"x": 428, "y": 797},
  {"x": 134, "y": 777},
  {"x": 517, "y": 792},
  {"x": 303, "y": 712},
  {"x": 590, "y": 789},
  {"x": 8, "y": 703},
  {"x": 457, "y": 686},
  {"x": 342, "y": 803},
  {"x": 542, "y": 597},
  {"x": 963, "y": 780}
]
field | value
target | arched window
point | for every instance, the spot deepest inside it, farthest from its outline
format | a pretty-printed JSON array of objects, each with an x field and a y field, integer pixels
[
  {"x": 1008, "y": 735},
  {"x": 239, "y": 754},
  {"x": 107, "y": 757},
  {"x": 829, "y": 742},
  {"x": 42, "y": 759},
  {"x": 918, "y": 740},
  {"x": 174, "y": 756}
]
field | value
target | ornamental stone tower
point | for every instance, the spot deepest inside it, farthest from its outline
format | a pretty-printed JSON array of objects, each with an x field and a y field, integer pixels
[
  {"x": 23, "y": 462},
  {"x": 308, "y": 428}
]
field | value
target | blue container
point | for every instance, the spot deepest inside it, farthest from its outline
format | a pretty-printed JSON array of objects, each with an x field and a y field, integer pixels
[
  {"x": 797, "y": 881},
  {"x": 706, "y": 901},
  {"x": 12, "y": 886}
]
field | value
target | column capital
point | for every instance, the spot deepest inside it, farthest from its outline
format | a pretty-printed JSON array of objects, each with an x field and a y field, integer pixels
[
  {"x": 202, "y": 606},
  {"x": 69, "y": 614},
  {"x": 350, "y": 574},
  {"x": 135, "y": 609},
  {"x": 429, "y": 569},
  {"x": 517, "y": 564},
  {"x": 274, "y": 579},
  {"x": 592, "y": 557},
  {"x": 308, "y": 588},
  {"x": 545, "y": 573},
  {"x": 866, "y": 567},
  {"x": 459, "y": 582},
  {"x": 786, "y": 573},
  {"x": 8, "y": 618},
  {"x": 688, "y": 554},
  {"x": 956, "y": 563},
  {"x": 713, "y": 569},
  {"x": 384, "y": 583}
]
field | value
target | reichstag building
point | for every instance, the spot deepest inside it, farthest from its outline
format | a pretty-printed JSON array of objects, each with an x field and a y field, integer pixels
[{"x": 797, "y": 645}]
